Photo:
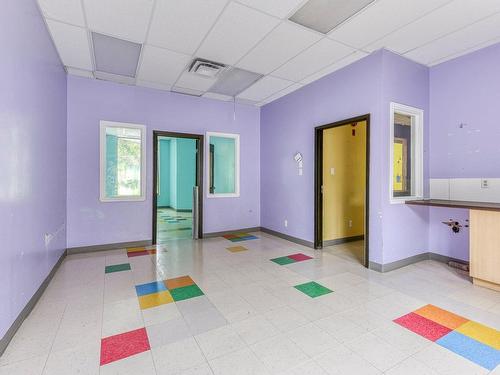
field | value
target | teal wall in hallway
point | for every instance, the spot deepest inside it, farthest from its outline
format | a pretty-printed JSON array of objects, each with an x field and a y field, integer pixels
[
  {"x": 164, "y": 173},
  {"x": 177, "y": 167},
  {"x": 186, "y": 172}
]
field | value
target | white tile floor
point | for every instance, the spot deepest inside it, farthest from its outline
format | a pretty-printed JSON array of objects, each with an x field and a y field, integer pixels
[
  {"x": 251, "y": 319},
  {"x": 173, "y": 225}
]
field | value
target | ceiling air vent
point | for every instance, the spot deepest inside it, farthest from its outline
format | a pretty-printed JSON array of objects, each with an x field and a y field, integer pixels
[{"x": 206, "y": 68}]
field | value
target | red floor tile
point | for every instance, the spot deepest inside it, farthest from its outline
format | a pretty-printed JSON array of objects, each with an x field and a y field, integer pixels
[
  {"x": 114, "y": 348},
  {"x": 422, "y": 326},
  {"x": 299, "y": 257},
  {"x": 137, "y": 253}
]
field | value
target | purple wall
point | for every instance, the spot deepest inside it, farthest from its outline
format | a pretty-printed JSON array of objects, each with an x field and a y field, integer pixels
[
  {"x": 405, "y": 228},
  {"x": 464, "y": 90},
  {"x": 287, "y": 126},
  {"x": 91, "y": 222},
  {"x": 32, "y": 156}
]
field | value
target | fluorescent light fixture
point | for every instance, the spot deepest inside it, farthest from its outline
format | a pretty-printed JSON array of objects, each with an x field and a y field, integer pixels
[
  {"x": 233, "y": 81},
  {"x": 115, "y": 78},
  {"x": 115, "y": 56},
  {"x": 185, "y": 91},
  {"x": 324, "y": 15}
]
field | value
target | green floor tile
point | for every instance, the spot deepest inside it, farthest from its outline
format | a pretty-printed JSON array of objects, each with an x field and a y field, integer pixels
[
  {"x": 186, "y": 292},
  {"x": 313, "y": 289},
  {"x": 118, "y": 268},
  {"x": 283, "y": 260}
]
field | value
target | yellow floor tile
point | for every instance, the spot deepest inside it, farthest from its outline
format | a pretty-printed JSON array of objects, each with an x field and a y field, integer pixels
[
  {"x": 156, "y": 299},
  {"x": 481, "y": 333},
  {"x": 440, "y": 316},
  {"x": 236, "y": 249}
]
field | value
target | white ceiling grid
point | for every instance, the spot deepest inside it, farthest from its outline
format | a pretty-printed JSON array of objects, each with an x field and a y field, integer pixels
[{"x": 257, "y": 36}]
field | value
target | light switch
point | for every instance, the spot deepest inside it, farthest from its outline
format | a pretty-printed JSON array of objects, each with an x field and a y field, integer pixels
[{"x": 332, "y": 171}]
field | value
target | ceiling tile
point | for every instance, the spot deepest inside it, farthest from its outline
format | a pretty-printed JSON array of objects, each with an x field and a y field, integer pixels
[
  {"x": 280, "y": 45},
  {"x": 466, "y": 51},
  {"x": 264, "y": 88},
  {"x": 72, "y": 43},
  {"x": 79, "y": 72},
  {"x": 238, "y": 29},
  {"x": 69, "y": 11},
  {"x": 349, "y": 59},
  {"x": 281, "y": 93},
  {"x": 182, "y": 25},
  {"x": 161, "y": 65},
  {"x": 195, "y": 81},
  {"x": 381, "y": 18},
  {"x": 278, "y": 8},
  {"x": 316, "y": 57},
  {"x": 442, "y": 21},
  {"x": 213, "y": 95},
  {"x": 153, "y": 85},
  {"x": 462, "y": 40},
  {"x": 127, "y": 19}
]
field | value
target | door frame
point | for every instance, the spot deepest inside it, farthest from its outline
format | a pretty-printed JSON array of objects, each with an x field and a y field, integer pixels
[
  {"x": 318, "y": 182},
  {"x": 200, "y": 140}
]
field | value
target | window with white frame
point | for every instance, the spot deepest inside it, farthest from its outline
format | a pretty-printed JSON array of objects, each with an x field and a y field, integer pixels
[
  {"x": 406, "y": 153},
  {"x": 122, "y": 161}
]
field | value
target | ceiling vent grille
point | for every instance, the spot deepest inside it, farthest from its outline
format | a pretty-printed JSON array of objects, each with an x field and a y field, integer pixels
[{"x": 206, "y": 68}]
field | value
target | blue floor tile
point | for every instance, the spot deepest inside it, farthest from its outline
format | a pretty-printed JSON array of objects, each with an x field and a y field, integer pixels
[
  {"x": 473, "y": 350},
  {"x": 150, "y": 288}
]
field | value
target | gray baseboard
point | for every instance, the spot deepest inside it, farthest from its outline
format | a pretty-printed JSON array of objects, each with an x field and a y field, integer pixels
[
  {"x": 339, "y": 241},
  {"x": 5, "y": 340},
  {"x": 111, "y": 246},
  {"x": 218, "y": 234},
  {"x": 387, "y": 267},
  {"x": 299, "y": 241}
]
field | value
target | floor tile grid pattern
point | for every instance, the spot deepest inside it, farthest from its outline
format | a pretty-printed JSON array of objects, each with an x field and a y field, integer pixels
[{"x": 251, "y": 292}]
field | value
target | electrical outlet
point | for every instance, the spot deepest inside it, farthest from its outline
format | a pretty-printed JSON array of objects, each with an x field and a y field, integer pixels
[
  {"x": 286, "y": 223},
  {"x": 484, "y": 184},
  {"x": 350, "y": 223}
]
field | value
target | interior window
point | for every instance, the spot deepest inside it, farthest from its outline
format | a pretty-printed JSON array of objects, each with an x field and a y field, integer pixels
[
  {"x": 223, "y": 168},
  {"x": 122, "y": 161},
  {"x": 402, "y": 155},
  {"x": 406, "y": 153}
]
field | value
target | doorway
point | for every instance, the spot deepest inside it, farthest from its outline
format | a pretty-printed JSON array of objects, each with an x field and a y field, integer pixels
[
  {"x": 341, "y": 218},
  {"x": 177, "y": 186}
]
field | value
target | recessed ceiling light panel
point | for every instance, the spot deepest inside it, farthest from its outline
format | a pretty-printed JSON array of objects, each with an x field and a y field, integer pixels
[
  {"x": 324, "y": 15},
  {"x": 115, "y": 56},
  {"x": 186, "y": 91},
  {"x": 233, "y": 81}
]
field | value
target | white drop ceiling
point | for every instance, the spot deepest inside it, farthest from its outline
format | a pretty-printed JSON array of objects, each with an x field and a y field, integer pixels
[{"x": 257, "y": 36}]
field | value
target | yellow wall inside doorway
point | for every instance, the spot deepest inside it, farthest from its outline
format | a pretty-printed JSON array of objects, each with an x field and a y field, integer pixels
[{"x": 344, "y": 181}]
